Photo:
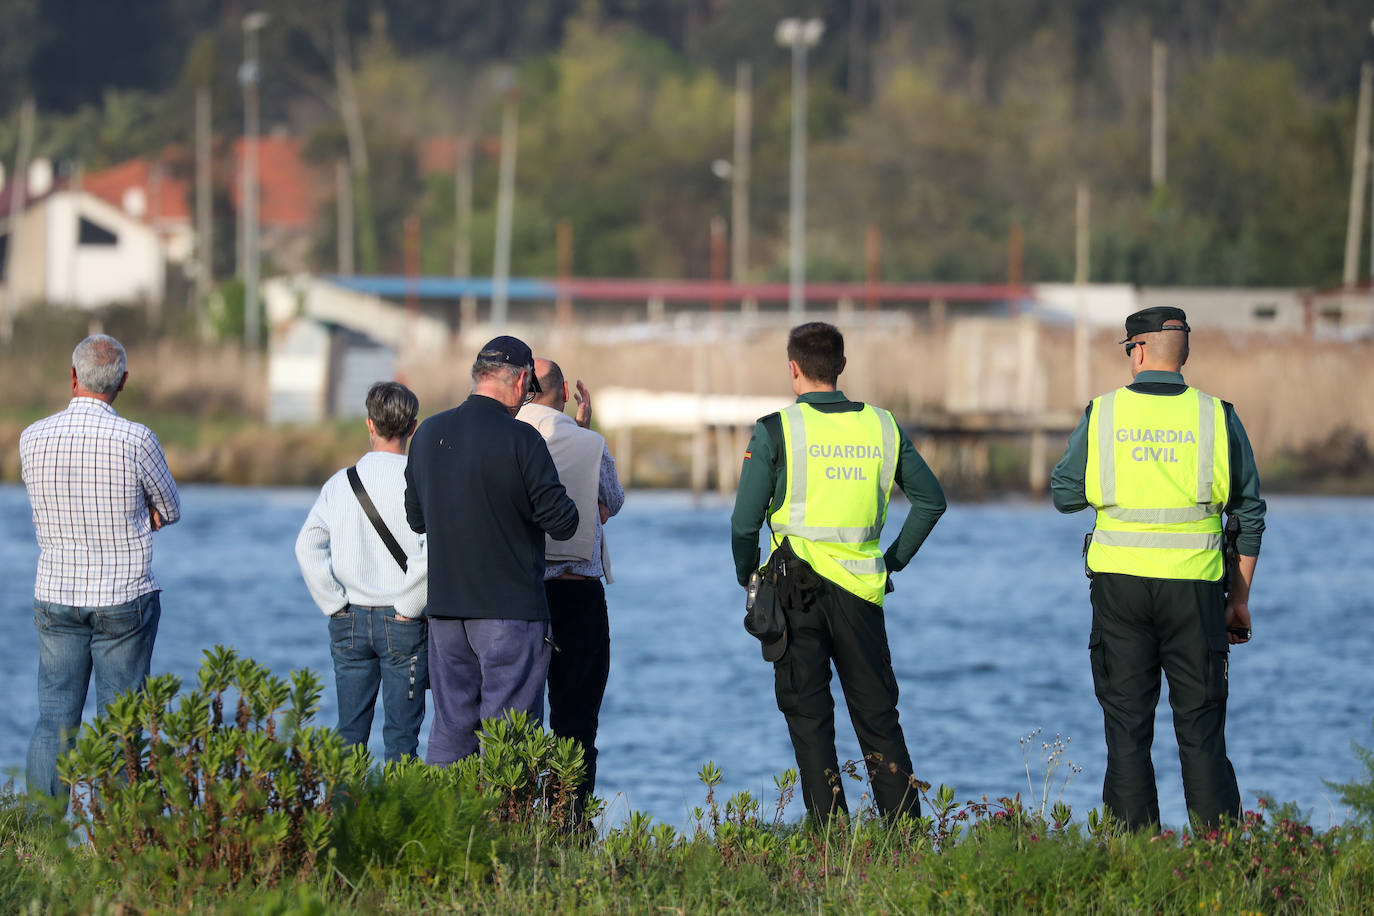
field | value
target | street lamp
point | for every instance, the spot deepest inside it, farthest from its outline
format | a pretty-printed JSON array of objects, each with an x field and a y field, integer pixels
[
  {"x": 249, "y": 77},
  {"x": 799, "y": 35}
]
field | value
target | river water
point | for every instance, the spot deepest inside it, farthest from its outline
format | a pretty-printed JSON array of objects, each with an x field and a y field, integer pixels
[{"x": 988, "y": 628}]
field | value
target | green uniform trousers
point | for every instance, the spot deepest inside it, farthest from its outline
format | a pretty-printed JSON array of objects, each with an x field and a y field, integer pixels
[
  {"x": 826, "y": 623},
  {"x": 1141, "y": 626}
]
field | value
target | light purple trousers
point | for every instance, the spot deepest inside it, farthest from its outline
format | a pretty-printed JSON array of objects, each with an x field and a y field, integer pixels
[{"x": 478, "y": 669}]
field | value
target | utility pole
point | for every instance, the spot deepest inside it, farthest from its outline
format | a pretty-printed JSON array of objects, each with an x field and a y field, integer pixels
[
  {"x": 1082, "y": 367},
  {"x": 505, "y": 199},
  {"x": 462, "y": 207},
  {"x": 1159, "y": 59},
  {"x": 343, "y": 197},
  {"x": 205, "y": 243},
  {"x": 798, "y": 35},
  {"x": 739, "y": 174},
  {"x": 18, "y": 197},
  {"x": 250, "y": 76},
  {"x": 563, "y": 307},
  {"x": 1357, "y": 177}
]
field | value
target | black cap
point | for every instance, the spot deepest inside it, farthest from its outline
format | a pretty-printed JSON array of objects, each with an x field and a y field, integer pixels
[
  {"x": 513, "y": 352},
  {"x": 1152, "y": 319}
]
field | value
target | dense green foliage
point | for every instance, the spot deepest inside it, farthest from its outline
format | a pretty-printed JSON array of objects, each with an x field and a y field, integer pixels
[
  {"x": 944, "y": 124},
  {"x": 161, "y": 786}
]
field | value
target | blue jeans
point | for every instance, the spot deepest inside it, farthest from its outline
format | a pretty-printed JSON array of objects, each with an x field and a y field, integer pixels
[
  {"x": 372, "y": 649},
  {"x": 116, "y": 643}
]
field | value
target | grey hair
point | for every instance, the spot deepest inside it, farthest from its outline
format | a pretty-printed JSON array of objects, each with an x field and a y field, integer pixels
[
  {"x": 392, "y": 408},
  {"x": 495, "y": 368},
  {"x": 100, "y": 364}
]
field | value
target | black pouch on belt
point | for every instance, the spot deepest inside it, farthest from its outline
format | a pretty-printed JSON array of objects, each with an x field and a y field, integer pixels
[{"x": 763, "y": 616}]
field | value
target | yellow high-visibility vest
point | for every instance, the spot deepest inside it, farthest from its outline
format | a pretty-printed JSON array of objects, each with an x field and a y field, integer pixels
[
  {"x": 840, "y": 468},
  {"x": 1159, "y": 475}
]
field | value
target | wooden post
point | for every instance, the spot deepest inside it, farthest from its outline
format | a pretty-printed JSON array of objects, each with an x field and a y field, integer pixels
[
  {"x": 1016, "y": 256},
  {"x": 563, "y": 307},
  {"x": 343, "y": 192},
  {"x": 1036, "y": 462},
  {"x": 412, "y": 262},
  {"x": 727, "y": 470},
  {"x": 1082, "y": 364},
  {"x": 1355, "y": 225},
  {"x": 873, "y": 249},
  {"x": 1159, "y": 60},
  {"x": 702, "y": 386},
  {"x": 717, "y": 243},
  {"x": 739, "y": 174},
  {"x": 205, "y": 246}
]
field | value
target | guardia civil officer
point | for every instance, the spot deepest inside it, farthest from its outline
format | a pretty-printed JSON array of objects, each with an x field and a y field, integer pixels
[
  {"x": 1160, "y": 462},
  {"x": 820, "y": 472}
]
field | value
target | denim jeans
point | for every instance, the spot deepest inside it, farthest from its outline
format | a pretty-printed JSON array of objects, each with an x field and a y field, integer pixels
[
  {"x": 373, "y": 649},
  {"x": 115, "y": 643}
]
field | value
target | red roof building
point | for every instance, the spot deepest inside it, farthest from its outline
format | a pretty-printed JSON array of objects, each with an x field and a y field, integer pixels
[{"x": 285, "y": 183}]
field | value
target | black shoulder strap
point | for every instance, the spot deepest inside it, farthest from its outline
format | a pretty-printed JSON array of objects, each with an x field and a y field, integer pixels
[{"x": 375, "y": 518}]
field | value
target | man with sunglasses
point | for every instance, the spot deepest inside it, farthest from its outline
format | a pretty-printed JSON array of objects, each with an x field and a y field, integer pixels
[
  {"x": 482, "y": 487},
  {"x": 1161, "y": 462}
]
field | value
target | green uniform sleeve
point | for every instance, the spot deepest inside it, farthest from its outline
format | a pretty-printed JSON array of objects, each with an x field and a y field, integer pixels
[
  {"x": 927, "y": 500},
  {"x": 1066, "y": 480},
  {"x": 1245, "y": 503},
  {"x": 757, "y": 481}
]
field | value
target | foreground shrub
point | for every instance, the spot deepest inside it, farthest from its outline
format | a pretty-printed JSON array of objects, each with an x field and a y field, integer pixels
[
  {"x": 1359, "y": 795},
  {"x": 185, "y": 792},
  {"x": 413, "y": 823}
]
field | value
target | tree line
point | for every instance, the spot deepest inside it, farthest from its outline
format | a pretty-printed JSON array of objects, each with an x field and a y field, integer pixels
[{"x": 949, "y": 125}]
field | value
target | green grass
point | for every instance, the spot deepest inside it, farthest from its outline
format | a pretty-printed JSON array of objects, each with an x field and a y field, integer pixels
[{"x": 997, "y": 859}]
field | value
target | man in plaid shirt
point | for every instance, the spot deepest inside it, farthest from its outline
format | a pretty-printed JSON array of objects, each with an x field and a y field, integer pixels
[{"x": 99, "y": 487}]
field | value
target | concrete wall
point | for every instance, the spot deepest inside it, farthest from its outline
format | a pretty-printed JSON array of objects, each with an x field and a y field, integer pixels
[{"x": 1106, "y": 305}]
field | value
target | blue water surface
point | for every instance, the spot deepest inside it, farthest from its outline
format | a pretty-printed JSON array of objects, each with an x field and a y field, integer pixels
[{"x": 988, "y": 628}]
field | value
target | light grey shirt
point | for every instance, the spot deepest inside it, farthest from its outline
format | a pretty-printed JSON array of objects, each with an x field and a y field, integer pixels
[{"x": 342, "y": 557}]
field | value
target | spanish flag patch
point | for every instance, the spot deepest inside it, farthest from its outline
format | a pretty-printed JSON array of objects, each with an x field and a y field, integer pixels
[{"x": 748, "y": 454}]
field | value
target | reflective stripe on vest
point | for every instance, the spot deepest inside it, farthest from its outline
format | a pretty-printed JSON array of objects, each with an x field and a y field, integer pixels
[
  {"x": 819, "y": 514},
  {"x": 1159, "y": 475}
]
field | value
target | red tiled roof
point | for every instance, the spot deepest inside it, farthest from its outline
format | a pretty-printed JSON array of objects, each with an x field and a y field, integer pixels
[
  {"x": 168, "y": 196},
  {"x": 284, "y": 183}
]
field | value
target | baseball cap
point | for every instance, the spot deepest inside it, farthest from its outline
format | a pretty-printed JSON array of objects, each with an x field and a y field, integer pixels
[
  {"x": 1152, "y": 319},
  {"x": 513, "y": 352}
]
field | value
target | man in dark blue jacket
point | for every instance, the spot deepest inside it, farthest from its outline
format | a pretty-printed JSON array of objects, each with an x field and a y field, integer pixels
[{"x": 482, "y": 488}]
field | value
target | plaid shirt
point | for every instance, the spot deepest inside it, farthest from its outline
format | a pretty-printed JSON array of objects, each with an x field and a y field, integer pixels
[{"x": 91, "y": 477}]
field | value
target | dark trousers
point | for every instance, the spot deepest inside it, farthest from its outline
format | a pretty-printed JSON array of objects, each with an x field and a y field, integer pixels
[
  {"x": 827, "y": 623},
  {"x": 481, "y": 668},
  {"x": 1141, "y": 626},
  {"x": 578, "y": 670}
]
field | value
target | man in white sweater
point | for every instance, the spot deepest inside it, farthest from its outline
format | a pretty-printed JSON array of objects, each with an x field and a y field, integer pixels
[
  {"x": 574, "y": 568},
  {"x": 354, "y": 552}
]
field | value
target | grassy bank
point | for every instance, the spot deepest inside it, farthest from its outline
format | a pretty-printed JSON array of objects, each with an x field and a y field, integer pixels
[
  {"x": 206, "y": 402},
  {"x": 225, "y": 798}
]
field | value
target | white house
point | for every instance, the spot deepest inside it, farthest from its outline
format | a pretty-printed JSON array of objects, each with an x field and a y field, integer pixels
[{"x": 72, "y": 248}]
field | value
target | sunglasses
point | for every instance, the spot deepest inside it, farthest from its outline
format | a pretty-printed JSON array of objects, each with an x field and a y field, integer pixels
[{"x": 1132, "y": 345}]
